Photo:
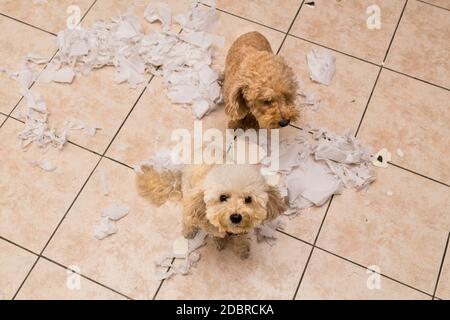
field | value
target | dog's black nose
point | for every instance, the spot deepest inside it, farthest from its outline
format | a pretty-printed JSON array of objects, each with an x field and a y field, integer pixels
[
  {"x": 235, "y": 218},
  {"x": 284, "y": 123}
]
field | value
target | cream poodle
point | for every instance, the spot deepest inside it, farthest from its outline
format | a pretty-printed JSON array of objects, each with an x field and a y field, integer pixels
[
  {"x": 226, "y": 201},
  {"x": 260, "y": 89}
]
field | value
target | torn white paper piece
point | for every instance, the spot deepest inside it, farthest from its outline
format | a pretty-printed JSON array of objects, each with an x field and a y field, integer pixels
[
  {"x": 106, "y": 228},
  {"x": 186, "y": 261},
  {"x": 159, "y": 12},
  {"x": 104, "y": 183},
  {"x": 45, "y": 165},
  {"x": 400, "y": 153},
  {"x": 64, "y": 75},
  {"x": 390, "y": 193},
  {"x": 35, "y": 59},
  {"x": 198, "y": 19},
  {"x": 115, "y": 212},
  {"x": 91, "y": 131},
  {"x": 382, "y": 159},
  {"x": 322, "y": 66},
  {"x": 180, "y": 247}
]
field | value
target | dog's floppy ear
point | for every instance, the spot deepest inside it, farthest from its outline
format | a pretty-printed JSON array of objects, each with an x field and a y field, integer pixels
[
  {"x": 235, "y": 106},
  {"x": 194, "y": 206},
  {"x": 276, "y": 205}
]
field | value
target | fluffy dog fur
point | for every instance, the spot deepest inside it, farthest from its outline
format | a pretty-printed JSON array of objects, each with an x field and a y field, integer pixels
[
  {"x": 259, "y": 87},
  {"x": 211, "y": 194}
]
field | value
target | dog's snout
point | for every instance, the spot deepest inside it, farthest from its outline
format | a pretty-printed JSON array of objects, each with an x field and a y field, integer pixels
[
  {"x": 284, "y": 123},
  {"x": 235, "y": 218}
]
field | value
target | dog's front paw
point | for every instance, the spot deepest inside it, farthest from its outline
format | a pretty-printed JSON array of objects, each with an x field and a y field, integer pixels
[
  {"x": 244, "y": 253},
  {"x": 189, "y": 233},
  {"x": 242, "y": 248},
  {"x": 220, "y": 243}
]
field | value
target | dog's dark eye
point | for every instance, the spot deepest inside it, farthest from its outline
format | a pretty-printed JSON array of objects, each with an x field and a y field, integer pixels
[
  {"x": 267, "y": 102},
  {"x": 248, "y": 199},
  {"x": 223, "y": 198}
]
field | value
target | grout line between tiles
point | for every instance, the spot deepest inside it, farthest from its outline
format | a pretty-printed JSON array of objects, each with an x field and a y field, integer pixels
[
  {"x": 290, "y": 27},
  {"x": 334, "y": 50},
  {"x": 28, "y": 24},
  {"x": 368, "y": 102},
  {"x": 419, "y": 174},
  {"x": 312, "y": 249},
  {"x": 395, "y": 31},
  {"x": 62, "y": 266},
  {"x": 244, "y": 18},
  {"x": 433, "y": 5},
  {"x": 86, "y": 277},
  {"x": 19, "y": 246},
  {"x": 352, "y": 262},
  {"x": 415, "y": 78},
  {"x": 441, "y": 266},
  {"x": 163, "y": 280},
  {"x": 374, "y": 271},
  {"x": 381, "y": 69}
]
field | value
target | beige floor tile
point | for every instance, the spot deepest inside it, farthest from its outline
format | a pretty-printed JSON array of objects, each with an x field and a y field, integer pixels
[
  {"x": 15, "y": 44},
  {"x": 49, "y": 281},
  {"x": 49, "y": 15},
  {"x": 149, "y": 128},
  {"x": 107, "y": 9},
  {"x": 443, "y": 290},
  {"x": 413, "y": 116},
  {"x": 277, "y": 14},
  {"x": 344, "y": 101},
  {"x": 404, "y": 234},
  {"x": 440, "y": 3},
  {"x": 14, "y": 266},
  {"x": 427, "y": 57},
  {"x": 306, "y": 224},
  {"x": 2, "y": 118},
  {"x": 269, "y": 273},
  {"x": 33, "y": 201},
  {"x": 95, "y": 99},
  {"x": 331, "y": 278},
  {"x": 342, "y": 25},
  {"x": 124, "y": 261}
]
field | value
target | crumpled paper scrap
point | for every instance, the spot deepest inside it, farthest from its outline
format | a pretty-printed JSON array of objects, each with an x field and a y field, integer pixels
[
  {"x": 107, "y": 225},
  {"x": 322, "y": 66},
  {"x": 159, "y": 12},
  {"x": 189, "y": 257},
  {"x": 45, "y": 165}
]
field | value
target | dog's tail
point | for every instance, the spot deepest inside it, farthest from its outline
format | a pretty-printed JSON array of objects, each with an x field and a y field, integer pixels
[{"x": 158, "y": 186}]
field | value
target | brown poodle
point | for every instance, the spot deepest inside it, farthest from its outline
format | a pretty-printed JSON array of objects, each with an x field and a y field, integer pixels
[
  {"x": 226, "y": 201},
  {"x": 259, "y": 87}
]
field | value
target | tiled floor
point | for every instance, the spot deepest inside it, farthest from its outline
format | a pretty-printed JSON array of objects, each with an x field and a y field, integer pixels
[{"x": 392, "y": 89}]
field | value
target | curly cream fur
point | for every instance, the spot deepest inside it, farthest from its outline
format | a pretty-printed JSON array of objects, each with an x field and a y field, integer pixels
[
  {"x": 202, "y": 187},
  {"x": 259, "y": 87}
]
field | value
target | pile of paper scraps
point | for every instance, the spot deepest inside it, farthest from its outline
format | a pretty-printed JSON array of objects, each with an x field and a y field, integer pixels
[
  {"x": 35, "y": 113},
  {"x": 183, "y": 60},
  {"x": 183, "y": 250},
  {"x": 317, "y": 164}
]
